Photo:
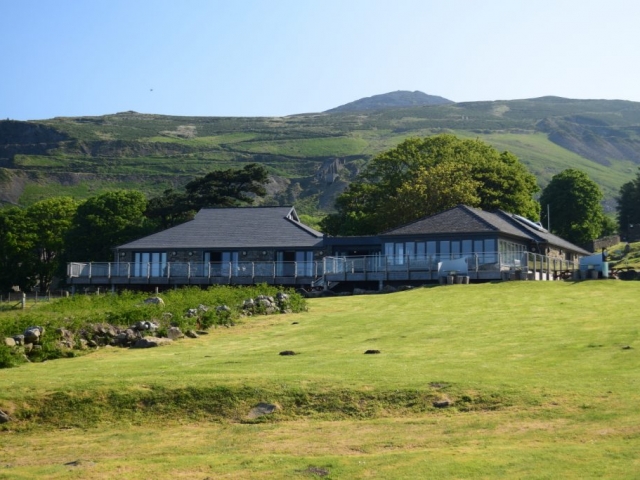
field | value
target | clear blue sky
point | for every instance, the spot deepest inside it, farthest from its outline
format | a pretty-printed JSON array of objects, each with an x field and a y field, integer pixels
[{"x": 281, "y": 57}]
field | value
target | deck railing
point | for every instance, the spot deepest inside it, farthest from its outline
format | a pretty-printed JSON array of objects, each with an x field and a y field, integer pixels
[
  {"x": 120, "y": 270},
  {"x": 397, "y": 267},
  {"x": 485, "y": 262}
]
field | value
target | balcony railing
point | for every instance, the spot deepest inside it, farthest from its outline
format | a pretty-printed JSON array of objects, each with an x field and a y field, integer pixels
[
  {"x": 193, "y": 270},
  {"x": 488, "y": 264}
]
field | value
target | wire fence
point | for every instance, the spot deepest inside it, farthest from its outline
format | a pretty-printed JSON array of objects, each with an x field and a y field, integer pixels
[{"x": 26, "y": 300}]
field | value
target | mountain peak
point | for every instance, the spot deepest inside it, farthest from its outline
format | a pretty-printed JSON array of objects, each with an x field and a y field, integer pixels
[{"x": 397, "y": 99}]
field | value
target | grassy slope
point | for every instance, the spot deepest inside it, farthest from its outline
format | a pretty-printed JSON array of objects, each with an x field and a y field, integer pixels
[
  {"x": 295, "y": 146},
  {"x": 541, "y": 384}
]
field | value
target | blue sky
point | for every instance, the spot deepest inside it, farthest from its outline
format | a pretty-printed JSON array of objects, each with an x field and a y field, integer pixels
[{"x": 281, "y": 57}]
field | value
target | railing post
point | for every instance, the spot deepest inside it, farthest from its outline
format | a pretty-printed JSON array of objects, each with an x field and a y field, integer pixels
[
  {"x": 188, "y": 269},
  {"x": 128, "y": 270},
  {"x": 90, "y": 265},
  {"x": 109, "y": 270},
  {"x": 168, "y": 269},
  {"x": 253, "y": 271},
  {"x": 148, "y": 270}
]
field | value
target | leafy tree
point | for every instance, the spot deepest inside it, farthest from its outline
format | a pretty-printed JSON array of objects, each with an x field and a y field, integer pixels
[
  {"x": 220, "y": 188},
  {"x": 629, "y": 204},
  {"x": 48, "y": 223},
  {"x": 15, "y": 249},
  {"x": 105, "y": 221},
  {"x": 424, "y": 176},
  {"x": 32, "y": 242},
  {"x": 574, "y": 204}
]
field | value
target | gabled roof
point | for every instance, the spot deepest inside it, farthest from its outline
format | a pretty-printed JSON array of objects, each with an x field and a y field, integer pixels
[
  {"x": 467, "y": 220},
  {"x": 233, "y": 229}
]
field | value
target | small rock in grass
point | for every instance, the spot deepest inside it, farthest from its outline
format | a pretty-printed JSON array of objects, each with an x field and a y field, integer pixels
[
  {"x": 442, "y": 403},
  {"x": 627, "y": 347},
  {"x": 261, "y": 409},
  {"x": 371, "y": 352},
  {"x": 288, "y": 352}
]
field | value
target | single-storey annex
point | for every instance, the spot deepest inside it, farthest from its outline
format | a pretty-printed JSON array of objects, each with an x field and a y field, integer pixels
[{"x": 270, "y": 245}]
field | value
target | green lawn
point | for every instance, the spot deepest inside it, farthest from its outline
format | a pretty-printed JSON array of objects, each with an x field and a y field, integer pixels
[{"x": 538, "y": 373}]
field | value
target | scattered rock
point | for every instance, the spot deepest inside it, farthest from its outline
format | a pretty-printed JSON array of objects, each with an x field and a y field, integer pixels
[
  {"x": 10, "y": 342},
  {"x": 287, "y": 352},
  {"x": 154, "y": 301},
  {"x": 4, "y": 418},
  {"x": 389, "y": 289},
  {"x": 295, "y": 323},
  {"x": 33, "y": 334},
  {"x": 262, "y": 409},
  {"x": 150, "y": 342},
  {"x": 174, "y": 333},
  {"x": 442, "y": 403},
  {"x": 627, "y": 347},
  {"x": 320, "y": 472},
  {"x": 371, "y": 352},
  {"x": 191, "y": 334},
  {"x": 19, "y": 339}
]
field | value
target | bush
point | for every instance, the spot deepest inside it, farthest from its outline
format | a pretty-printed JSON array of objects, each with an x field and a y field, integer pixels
[{"x": 8, "y": 358}]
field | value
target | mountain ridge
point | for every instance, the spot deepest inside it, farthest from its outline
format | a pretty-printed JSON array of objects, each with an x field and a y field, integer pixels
[
  {"x": 397, "y": 99},
  {"x": 311, "y": 157}
]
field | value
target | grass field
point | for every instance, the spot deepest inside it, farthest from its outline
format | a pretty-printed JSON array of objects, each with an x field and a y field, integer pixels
[{"x": 543, "y": 380}]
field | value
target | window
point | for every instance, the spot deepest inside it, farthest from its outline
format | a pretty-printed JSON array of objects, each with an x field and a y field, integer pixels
[
  {"x": 445, "y": 250},
  {"x": 304, "y": 263},
  {"x": 153, "y": 264}
]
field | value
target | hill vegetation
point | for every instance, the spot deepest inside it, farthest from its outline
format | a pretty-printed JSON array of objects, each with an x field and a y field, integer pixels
[
  {"x": 507, "y": 380},
  {"x": 312, "y": 157}
]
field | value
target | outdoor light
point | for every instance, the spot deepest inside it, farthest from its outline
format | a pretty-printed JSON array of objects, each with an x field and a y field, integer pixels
[
  {"x": 264, "y": 252},
  {"x": 122, "y": 254},
  {"x": 244, "y": 254}
]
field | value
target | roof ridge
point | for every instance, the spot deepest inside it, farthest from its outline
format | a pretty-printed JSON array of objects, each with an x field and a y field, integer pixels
[{"x": 474, "y": 211}]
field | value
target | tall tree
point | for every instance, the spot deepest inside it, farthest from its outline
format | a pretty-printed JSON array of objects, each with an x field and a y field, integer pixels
[
  {"x": 220, "y": 188},
  {"x": 15, "y": 250},
  {"x": 629, "y": 205},
  {"x": 424, "y": 176},
  {"x": 573, "y": 200},
  {"x": 105, "y": 221},
  {"x": 48, "y": 223}
]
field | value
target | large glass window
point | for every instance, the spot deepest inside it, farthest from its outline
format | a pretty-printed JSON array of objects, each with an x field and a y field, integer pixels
[
  {"x": 445, "y": 250},
  {"x": 304, "y": 263},
  {"x": 490, "y": 251},
  {"x": 153, "y": 264}
]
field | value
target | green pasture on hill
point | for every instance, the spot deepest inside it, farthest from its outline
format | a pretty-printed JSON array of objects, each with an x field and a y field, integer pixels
[{"x": 542, "y": 380}]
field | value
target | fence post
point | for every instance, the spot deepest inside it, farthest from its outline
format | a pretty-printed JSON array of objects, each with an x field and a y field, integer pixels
[{"x": 24, "y": 301}]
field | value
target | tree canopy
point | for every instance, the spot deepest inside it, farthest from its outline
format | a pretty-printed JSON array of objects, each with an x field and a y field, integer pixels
[
  {"x": 423, "y": 176},
  {"x": 105, "y": 221},
  {"x": 220, "y": 188},
  {"x": 574, "y": 205},
  {"x": 629, "y": 204}
]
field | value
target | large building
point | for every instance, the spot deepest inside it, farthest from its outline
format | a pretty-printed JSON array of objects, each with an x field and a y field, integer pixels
[{"x": 270, "y": 245}]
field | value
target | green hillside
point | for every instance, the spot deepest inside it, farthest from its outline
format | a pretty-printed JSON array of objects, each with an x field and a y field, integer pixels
[
  {"x": 531, "y": 379},
  {"x": 86, "y": 155}
]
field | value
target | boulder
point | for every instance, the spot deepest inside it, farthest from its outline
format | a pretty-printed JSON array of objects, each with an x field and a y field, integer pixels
[
  {"x": 154, "y": 301},
  {"x": 174, "y": 333},
  {"x": 203, "y": 308},
  {"x": 442, "y": 403},
  {"x": 9, "y": 342},
  {"x": 4, "y": 418},
  {"x": 19, "y": 339},
  {"x": 32, "y": 335},
  {"x": 389, "y": 289},
  {"x": 192, "y": 312},
  {"x": 191, "y": 334},
  {"x": 223, "y": 308},
  {"x": 262, "y": 409},
  {"x": 150, "y": 342}
]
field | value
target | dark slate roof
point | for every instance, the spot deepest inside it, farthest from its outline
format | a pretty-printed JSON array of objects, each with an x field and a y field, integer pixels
[
  {"x": 233, "y": 229},
  {"x": 467, "y": 220}
]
